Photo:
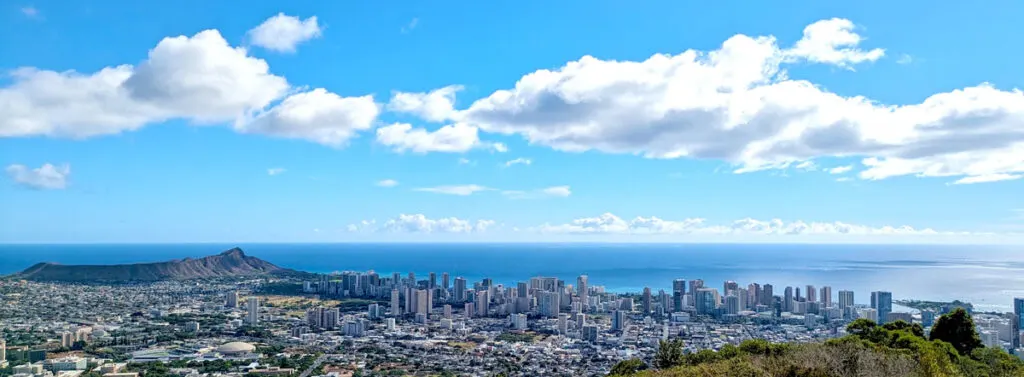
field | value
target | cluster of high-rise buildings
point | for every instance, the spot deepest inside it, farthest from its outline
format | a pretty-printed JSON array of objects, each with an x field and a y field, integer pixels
[{"x": 550, "y": 297}]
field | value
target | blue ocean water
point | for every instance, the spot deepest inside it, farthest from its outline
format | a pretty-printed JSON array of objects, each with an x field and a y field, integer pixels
[{"x": 988, "y": 276}]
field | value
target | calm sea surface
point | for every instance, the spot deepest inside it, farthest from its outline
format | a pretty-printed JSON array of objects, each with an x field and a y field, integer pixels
[{"x": 987, "y": 276}]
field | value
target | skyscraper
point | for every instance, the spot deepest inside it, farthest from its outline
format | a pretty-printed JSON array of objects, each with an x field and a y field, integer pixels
[
  {"x": 732, "y": 304},
  {"x": 482, "y": 303},
  {"x": 549, "y": 304},
  {"x": 232, "y": 299},
  {"x": 581, "y": 291},
  {"x": 826, "y": 296},
  {"x": 706, "y": 300},
  {"x": 1018, "y": 321},
  {"x": 523, "y": 289},
  {"x": 811, "y": 294},
  {"x": 882, "y": 302},
  {"x": 253, "y": 316},
  {"x": 729, "y": 287},
  {"x": 787, "y": 300},
  {"x": 3, "y": 351},
  {"x": 846, "y": 303},
  {"x": 395, "y": 310},
  {"x": 646, "y": 302},
  {"x": 460, "y": 289},
  {"x": 678, "y": 291},
  {"x": 768, "y": 295},
  {"x": 433, "y": 281},
  {"x": 444, "y": 281},
  {"x": 422, "y": 301}
]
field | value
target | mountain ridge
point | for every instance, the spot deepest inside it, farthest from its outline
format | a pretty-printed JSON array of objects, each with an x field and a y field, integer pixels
[{"x": 229, "y": 263}]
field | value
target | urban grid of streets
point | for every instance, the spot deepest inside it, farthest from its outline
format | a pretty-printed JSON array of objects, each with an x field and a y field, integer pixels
[{"x": 366, "y": 324}]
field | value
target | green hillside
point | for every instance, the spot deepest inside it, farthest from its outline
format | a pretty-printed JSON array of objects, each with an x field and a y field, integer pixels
[{"x": 897, "y": 349}]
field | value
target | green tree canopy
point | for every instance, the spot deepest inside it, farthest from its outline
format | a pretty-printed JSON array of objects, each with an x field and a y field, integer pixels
[
  {"x": 957, "y": 328},
  {"x": 669, "y": 354}
]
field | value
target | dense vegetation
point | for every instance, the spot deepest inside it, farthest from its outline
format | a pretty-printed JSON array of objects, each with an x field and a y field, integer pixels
[{"x": 952, "y": 349}]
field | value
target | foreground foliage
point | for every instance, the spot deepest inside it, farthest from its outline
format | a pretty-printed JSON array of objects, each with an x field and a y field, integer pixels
[{"x": 893, "y": 349}]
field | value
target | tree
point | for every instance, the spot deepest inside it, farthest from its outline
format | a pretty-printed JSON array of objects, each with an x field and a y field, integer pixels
[
  {"x": 669, "y": 354},
  {"x": 957, "y": 328},
  {"x": 628, "y": 367},
  {"x": 902, "y": 325}
]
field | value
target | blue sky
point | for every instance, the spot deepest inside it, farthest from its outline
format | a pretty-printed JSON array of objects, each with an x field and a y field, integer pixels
[{"x": 672, "y": 121}]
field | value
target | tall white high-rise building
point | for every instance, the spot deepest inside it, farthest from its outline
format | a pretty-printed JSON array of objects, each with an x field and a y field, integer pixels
[
  {"x": 563, "y": 323},
  {"x": 253, "y": 316},
  {"x": 422, "y": 301},
  {"x": 548, "y": 304},
  {"x": 845, "y": 300},
  {"x": 447, "y": 311},
  {"x": 732, "y": 304},
  {"x": 395, "y": 310},
  {"x": 3, "y": 351},
  {"x": 581, "y": 291},
  {"x": 826, "y": 296},
  {"x": 483, "y": 303}
]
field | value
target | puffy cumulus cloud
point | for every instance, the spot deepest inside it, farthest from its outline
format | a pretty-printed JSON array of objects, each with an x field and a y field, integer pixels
[
  {"x": 317, "y": 115},
  {"x": 832, "y": 42},
  {"x": 737, "y": 104},
  {"x": 549, "y": 192},
  {"x": 46, "y": 177},
  {"x": 282, "y": 33},
  {"x": 460, "y": 190},
  {"x": 419, "y": 223},
  {"x": 453, "y": 138},
  {"x": 201, "y": 79},
  {"x": 610, "y": 224},
  {"x": 435, "y": 106}
]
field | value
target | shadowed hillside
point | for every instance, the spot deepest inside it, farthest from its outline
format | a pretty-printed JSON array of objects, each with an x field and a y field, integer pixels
[{"x": 233, "y": 262}]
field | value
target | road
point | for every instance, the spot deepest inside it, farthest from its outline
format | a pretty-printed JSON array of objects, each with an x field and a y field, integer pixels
[{"x": 316, "y": 363}]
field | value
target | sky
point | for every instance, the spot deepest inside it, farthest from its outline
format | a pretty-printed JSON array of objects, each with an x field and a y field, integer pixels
[{"x": 802, "y": 121}]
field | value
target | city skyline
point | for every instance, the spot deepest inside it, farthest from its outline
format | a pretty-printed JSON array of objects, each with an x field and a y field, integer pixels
[{"x": 840, "y": 123}]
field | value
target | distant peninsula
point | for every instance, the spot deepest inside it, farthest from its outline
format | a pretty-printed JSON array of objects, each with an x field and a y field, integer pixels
[{"x": 231, "y": 263}]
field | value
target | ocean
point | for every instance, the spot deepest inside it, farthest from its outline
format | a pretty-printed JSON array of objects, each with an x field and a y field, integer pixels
[{"x": 988, "y": 276}]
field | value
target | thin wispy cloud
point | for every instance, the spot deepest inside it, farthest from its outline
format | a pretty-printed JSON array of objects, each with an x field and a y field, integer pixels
[
  {"x": 276, "y": 171},
  {"x": 387, "y": 183},
  {"x": 460, "y": 190},
  {"x": 411, "y": 25},
  {"x": 518, "y": 161},
  {"x": 840, "y": 169},
  {"x": 30, "y": 12}
]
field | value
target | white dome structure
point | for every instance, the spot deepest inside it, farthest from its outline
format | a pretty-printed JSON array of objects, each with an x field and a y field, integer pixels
[{"x": 236, "y": 348}]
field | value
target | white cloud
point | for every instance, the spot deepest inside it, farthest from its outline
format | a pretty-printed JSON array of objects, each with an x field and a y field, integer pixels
[
  {"x": 562, "y": 191},
  {"x": 456, "y": 138},
  {"x": 518, "y": 161},
  {"x": 387, "y": 183},
  {"x": 460, "y": 190},
  {"x": 46, "y": 177},
  {"x": 317, "y": 115},
  {"x": 806, "y": 166},
  {"x": 840, "y": 169},
  {"x": 201, "y": 79},
  {"x": 554, "y": 191},
  {"x": 988, "y": 178},
  {"x": 282, "y": 33},
  {"x": 435, "y": 106},
  {"x": 419, "y": 223},
  {"x": 30, "y": 12},
  {"x": 610, "y": 224},
  {"x": 275, "y": 171},
  {"x": 905, "y": 59},
  {"x": 843, "y": 179},
  {"x": 464, "y": 161},
  {"x": 737, "y": 104},
  {"x": 832, "y": 42}
]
